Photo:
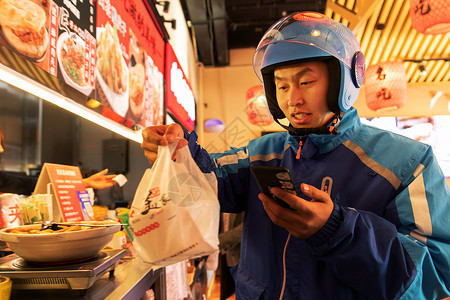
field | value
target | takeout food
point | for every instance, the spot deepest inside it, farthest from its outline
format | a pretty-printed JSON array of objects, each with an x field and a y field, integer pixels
[
  {"x": 71, "y": 244},
  {"x": 23, "y": 25}
]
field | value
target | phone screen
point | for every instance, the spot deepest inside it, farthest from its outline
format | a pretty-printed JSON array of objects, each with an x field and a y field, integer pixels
[{"x": 268, "y": 177}]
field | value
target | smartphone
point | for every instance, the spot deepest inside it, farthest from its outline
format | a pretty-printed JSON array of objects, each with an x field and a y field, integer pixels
[{"x": 268, "y": 177}]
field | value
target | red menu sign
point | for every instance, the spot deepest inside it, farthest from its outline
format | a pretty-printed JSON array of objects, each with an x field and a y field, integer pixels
[
  {"x": 179, "y": 96},
  {"x": 130, "y": 63},
  {"x": 66, "y": 185},
  {"x": 107, "y": 50}
]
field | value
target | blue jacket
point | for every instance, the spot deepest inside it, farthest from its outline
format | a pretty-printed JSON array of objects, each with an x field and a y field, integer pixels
[{"x": 388, "y": 236}]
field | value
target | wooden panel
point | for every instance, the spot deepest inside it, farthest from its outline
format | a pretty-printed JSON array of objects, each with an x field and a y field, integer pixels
[{"x": 397, "y": 41}]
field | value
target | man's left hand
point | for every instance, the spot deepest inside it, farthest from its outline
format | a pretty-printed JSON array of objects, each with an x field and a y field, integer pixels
[{"x": 306, "y": 217}]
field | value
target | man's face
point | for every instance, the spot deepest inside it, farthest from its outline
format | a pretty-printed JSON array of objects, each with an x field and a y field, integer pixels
[{"x": 301, "y": 92}]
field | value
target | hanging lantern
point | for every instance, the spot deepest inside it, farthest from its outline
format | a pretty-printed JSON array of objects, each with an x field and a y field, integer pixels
[
  {"x": 386, "y": 86},
  {"x": 430, "y": 16},
  {"x": 258, "y": 112}
]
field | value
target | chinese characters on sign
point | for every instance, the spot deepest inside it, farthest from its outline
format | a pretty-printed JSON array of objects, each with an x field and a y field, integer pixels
[
  {"x": 422, "y": 8},
  {"x": 383, "y": 93},
  {"x": 386, "y": 86}
]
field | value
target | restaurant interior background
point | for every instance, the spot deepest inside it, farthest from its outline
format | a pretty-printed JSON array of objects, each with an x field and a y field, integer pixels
[{"x": 37, "y": 131}]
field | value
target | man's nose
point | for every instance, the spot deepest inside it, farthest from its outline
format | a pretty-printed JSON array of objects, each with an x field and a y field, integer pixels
[{"x": 295, "y": 97}]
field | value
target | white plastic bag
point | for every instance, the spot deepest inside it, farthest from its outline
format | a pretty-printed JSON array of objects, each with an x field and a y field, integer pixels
[{"x": 175, "y": 211}]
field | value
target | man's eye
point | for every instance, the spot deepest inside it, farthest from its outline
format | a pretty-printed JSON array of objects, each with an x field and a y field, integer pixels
[
  {"x": 306, "y": 82},
  {"x": 282, "y": 87}
]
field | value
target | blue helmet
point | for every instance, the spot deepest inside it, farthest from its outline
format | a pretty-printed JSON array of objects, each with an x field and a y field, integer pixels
[{"x": 311, "y": 36}]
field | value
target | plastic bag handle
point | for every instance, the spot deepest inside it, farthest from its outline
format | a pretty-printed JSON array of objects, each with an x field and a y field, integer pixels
[
  {"x": 170, "y": 148},
  {"x": 173, "y": 145}
]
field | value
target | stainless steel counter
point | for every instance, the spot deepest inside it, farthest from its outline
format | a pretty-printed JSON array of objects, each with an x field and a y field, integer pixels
[{"x": 131, "y": 279}]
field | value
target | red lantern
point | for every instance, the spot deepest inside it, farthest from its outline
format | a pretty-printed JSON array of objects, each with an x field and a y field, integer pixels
[
  {"x": 430, "y": 16},
  {"x": 258, "y": 112},
  {"x": 386, "y": 86}
]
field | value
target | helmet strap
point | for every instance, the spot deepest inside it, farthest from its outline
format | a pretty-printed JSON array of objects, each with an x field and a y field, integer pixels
[{"x": 332, "y": 128}]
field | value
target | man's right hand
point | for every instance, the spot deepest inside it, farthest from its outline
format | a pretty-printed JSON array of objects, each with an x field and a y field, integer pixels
[{"x": 161, "y": 135}]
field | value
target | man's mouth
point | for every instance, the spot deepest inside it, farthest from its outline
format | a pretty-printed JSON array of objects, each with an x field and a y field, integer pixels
[
  {"x": 301, "y": 118},
  {"x": 300, "y": 115}
]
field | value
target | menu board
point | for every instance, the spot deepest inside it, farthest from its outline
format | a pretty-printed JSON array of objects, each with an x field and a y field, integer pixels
[
  {"x": 69, "y": 192},
  {"x": 107, "y": 50},
  {"x": 75, "y": 42},
  {"x": 26, "y": 29},
  {"x": 130, "y": 62}
]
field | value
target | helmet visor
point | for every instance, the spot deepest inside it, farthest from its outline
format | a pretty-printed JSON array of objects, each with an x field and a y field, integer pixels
[{"x": 317, "y": 34}]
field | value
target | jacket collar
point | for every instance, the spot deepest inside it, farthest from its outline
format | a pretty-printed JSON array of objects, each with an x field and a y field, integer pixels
[{"x": 323, "y": 143}]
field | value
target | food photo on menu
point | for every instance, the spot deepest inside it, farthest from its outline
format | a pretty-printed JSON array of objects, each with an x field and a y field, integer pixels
[
  {"x": 146, "y": 84},
  {"x": 75, "y": 44},
  {"x": 24, "y": 27},
  {"x": 111, "y": 71},
  {"x": 137, "y": 79},
  {"x": 155, "y": 88},
  {"x": 71, "y": 58}
]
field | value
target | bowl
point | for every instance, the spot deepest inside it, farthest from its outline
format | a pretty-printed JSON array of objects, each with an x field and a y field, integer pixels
[
  {"x": 59, "y": 247},
  {"x": 86, "y": 88}
]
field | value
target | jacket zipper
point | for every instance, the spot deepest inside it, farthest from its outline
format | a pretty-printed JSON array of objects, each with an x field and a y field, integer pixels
[{"x": 300, "y": 145}]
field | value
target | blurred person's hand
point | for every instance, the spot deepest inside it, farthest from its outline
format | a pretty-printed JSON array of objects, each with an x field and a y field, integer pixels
[
  {"x": 99, "y": 180},
  {"x": 306, "y": 218},
  {"x": 161, "y": 135}
]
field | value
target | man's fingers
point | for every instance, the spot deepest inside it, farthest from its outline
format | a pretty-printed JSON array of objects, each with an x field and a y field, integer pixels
[
  {"x": 182, "y": 143},
  {"x": 151, "y": 156},
  {"x": 279, "y": 215},
  {"x": 154, "y": 135},
  {"x": 147, "y": 146},
  {"x": 314, "y": 193},
  {"x": 173, "y": 132},
  {"x": 287, "y": 197}
]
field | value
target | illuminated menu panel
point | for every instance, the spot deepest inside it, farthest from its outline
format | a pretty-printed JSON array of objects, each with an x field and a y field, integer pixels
[
  {"x": 106, "y": 50},
  {"x": 73, "y": 38},
  {"x": 180, "y": 99},
  {"x": 130, "y": 60}
]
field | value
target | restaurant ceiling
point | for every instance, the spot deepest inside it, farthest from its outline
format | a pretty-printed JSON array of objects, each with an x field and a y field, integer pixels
[{"x": 382, "y": 27}]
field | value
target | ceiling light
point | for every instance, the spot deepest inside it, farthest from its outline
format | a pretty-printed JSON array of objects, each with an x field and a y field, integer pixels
[{"x": 24, "y": 83}]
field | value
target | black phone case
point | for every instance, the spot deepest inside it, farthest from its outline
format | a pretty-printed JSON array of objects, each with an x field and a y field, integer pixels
[{"x": 268, "y": 177}]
